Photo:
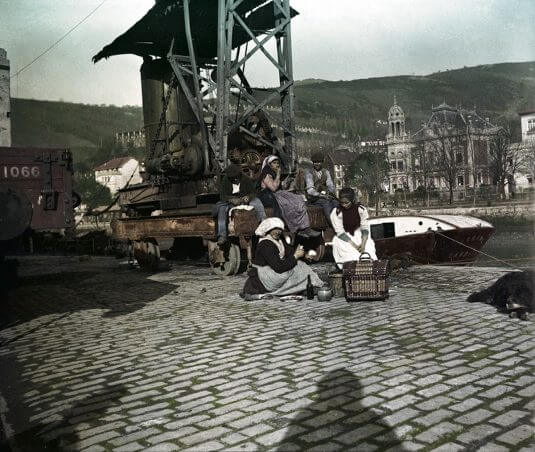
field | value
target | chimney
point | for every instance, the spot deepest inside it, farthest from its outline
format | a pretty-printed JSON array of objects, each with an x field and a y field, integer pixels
[{"x": 5, "y": 100}]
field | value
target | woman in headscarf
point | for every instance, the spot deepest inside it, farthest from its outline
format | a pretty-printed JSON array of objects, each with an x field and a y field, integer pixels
[
  {"x": 277, "y": 268},
  {"x": 350, "y": 223},
  {"x": 289, "y": 206}
]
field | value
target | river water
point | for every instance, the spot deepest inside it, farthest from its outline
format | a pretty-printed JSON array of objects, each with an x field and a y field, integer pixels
[{"x": 515, "y": 245}]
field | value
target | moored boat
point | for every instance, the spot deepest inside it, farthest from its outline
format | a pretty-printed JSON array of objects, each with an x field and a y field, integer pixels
[{"x": 430, "y": 239}]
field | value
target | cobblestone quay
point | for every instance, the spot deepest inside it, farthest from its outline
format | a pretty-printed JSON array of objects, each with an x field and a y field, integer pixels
[{"x": 95, "y": 356}]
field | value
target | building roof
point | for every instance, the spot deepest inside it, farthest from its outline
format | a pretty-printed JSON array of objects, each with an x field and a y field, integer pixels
[
  {"x": 115, "y": 163},
  {"x": 396, "y": 112},
  {"x": 342, "y": 156},
  {"x": 529, "y": 111},
  {"x": 457, "y": 117}
]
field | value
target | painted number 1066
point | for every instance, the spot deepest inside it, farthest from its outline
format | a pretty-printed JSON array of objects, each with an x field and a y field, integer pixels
[{"x": 17, "y": 172}]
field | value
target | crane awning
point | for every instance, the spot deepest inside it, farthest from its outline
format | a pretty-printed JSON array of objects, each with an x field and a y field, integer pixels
[{"x": 153, "y": 33}]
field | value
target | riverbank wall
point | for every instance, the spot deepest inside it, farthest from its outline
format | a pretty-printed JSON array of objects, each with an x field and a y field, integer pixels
[{"x": 514, "y": 210}]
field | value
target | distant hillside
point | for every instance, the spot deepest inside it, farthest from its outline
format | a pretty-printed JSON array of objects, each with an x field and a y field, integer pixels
[
  {"x": 495, "y": 90},
  {"x": 309, "y": 81},
  {"x": 80, "y": 127},
  {"x": 357, "y": 106}
]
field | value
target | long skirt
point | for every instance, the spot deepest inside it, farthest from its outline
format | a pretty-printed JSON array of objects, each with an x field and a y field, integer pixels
[
  {"x": 292, "y": 282},
  {"x": 345, "y": 252},
  {"x": 268, "y": 199},
  {"x": 293, "y": 209}
]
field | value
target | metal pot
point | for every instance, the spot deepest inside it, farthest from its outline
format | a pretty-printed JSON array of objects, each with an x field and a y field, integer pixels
[{"x": 325, "y": 294}]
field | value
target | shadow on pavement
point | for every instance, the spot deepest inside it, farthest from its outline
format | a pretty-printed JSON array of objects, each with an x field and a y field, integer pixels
[
  {"x": 117, "y": 290},
  {"x": 337, "y": 420},
  {"x": 62, "y": 431}
]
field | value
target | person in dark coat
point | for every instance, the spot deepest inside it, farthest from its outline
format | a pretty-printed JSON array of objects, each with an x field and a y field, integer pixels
[
  {"x": 277, "y": 268},
  {"x": 235, "y": 189},
  {"x": 319, "y": 188}
]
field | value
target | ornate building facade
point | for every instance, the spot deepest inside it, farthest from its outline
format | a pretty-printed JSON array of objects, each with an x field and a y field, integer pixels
[{"x": 451, "y": 148}]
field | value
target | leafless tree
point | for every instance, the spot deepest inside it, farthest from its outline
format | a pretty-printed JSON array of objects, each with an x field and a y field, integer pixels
[
  {"x": 422, "y": 166},
  {"x": 368, "y": 172},
  {"x": 519, "y": 157},
  {"x": 471, "y": 152},
  {"x": 444, "y": 142},
  {"x": 500, "y": 158}
]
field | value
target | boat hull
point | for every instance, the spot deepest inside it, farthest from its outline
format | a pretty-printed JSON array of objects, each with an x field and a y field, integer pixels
[{"x": 455, "y": 246}]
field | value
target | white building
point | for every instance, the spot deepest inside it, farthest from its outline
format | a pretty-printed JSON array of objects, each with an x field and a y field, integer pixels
[
  {"x": 5, "y": 101},
  {"x": 524, "y": 152},
  {"x": 118, "y": 172},
  {"x": 337, "y": 162},
  {"x": 527, "y": 123}
]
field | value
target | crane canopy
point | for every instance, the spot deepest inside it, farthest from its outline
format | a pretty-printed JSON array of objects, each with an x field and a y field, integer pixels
[{"x": 153, "y": 33}]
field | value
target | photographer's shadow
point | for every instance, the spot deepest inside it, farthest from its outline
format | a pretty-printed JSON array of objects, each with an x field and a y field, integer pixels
[{"x": 338, "y": 420}]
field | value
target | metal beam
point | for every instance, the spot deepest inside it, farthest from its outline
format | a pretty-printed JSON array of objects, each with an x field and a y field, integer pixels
[
  {"x": 190, "y": 97},
  {"x": 257, "y": 42},
  {"x": 228, "y": 63},
  {"x": 258, "y": 106},
  {"x": 231, "y": 14},
  {"x": 286, "y": 78},
  {"x": 253, "y": 101},
  {"x": 222, "y": 115},
  {"x": 196, "y": 84}
]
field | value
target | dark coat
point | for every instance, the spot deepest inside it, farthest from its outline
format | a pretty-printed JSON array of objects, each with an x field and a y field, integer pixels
[
  {"x": 268, "y": 254},
  {"x": 247, "y": 188}
]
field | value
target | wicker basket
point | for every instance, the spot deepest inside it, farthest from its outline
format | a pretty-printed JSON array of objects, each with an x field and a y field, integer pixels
[{"x": 366, "y": 279}]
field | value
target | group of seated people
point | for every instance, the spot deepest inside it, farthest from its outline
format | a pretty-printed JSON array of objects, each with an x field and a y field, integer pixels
[{"x": 278, "y": 268}]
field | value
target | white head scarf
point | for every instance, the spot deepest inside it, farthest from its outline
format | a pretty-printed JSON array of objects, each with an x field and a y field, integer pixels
[
  {"x": 269, "y": 159},
  {"x": 268, "y": 225}
]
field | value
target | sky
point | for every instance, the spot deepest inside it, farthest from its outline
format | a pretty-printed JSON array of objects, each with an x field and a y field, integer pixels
[{"x": 332, "y": 40}]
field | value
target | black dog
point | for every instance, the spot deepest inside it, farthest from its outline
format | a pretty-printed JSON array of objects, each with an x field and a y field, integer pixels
[{"x": 513, "y": 293}]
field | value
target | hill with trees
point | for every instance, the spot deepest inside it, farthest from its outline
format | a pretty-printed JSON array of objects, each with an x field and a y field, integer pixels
[
  {"x": 356, "y": 107},
  {"x": 498, "y": 91},
  {"x": 87, "y": 130}
]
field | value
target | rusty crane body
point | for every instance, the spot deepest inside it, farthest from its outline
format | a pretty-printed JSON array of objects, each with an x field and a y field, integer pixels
[{"x": 201, "y": 114}]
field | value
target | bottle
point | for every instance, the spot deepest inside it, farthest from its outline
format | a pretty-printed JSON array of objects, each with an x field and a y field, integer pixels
[{"x": 310, "y": 289}]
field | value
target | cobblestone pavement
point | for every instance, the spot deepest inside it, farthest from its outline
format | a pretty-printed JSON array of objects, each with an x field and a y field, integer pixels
[{"x": 95, "y": 356}]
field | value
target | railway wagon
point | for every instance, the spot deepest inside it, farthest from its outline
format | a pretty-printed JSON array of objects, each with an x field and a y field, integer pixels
[{"x": 35, "y": 192}]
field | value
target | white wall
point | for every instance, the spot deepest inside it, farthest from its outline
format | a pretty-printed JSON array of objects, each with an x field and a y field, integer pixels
[
  {"x": 5, "y": 102},
  {"x": 115, "y": 179},
  {"x": 527, "y": 121}
]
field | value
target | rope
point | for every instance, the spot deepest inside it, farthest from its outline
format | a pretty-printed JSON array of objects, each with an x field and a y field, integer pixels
[
  {"x": 478, "y": 251},
  {"x": 113, "y": 202},
  {"x": 58, "y": 41}
]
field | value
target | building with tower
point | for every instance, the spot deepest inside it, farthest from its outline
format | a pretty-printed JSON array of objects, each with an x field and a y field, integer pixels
[
  {"x": 5, "y": 100},
  {"x": 399, "y": 147},
  {"x": 451, "y": 148}
]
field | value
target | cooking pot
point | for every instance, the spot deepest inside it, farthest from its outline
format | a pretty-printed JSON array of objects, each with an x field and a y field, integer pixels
[{"x": 324, "y": 294}]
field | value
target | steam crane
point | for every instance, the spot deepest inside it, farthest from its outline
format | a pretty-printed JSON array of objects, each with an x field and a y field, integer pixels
[{"x": 200, "y": 114}]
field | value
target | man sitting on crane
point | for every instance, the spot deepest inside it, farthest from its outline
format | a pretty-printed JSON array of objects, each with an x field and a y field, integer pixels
[
  {"x": 319, "y": 186},
  {"x": 235, "y": 189}
]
